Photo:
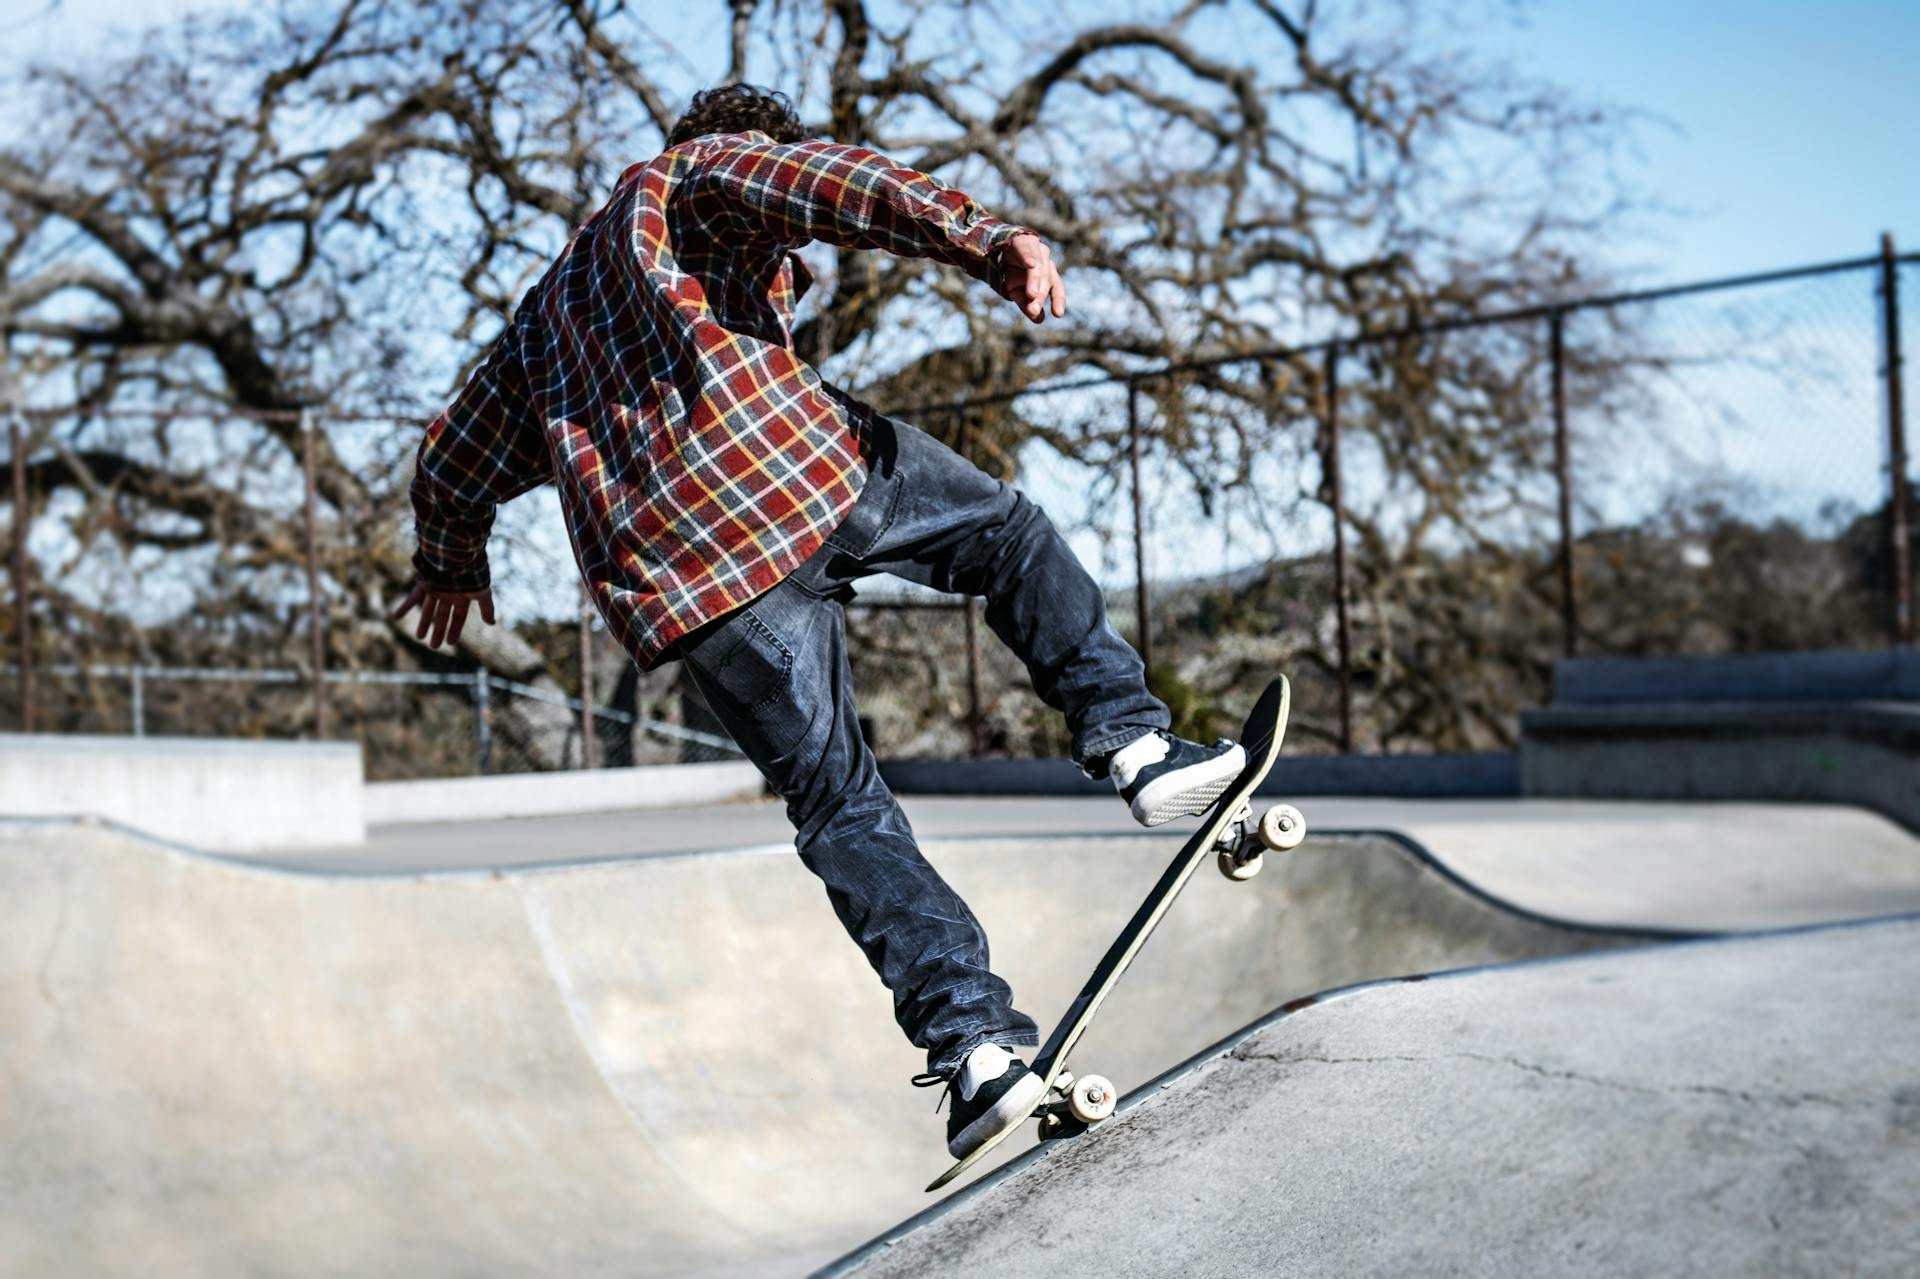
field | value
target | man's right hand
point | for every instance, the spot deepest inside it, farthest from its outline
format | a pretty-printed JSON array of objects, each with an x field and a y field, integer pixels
[
  {"x": 443, "y": 612},
  {"x": 1030, "y": 280}
]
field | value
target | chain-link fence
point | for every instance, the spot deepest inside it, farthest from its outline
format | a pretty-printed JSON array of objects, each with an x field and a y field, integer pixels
[
  {"x": 410, "y": 724},
  {"x": 1699, "y": 469},
  {"x": 1413, "y": 522}
]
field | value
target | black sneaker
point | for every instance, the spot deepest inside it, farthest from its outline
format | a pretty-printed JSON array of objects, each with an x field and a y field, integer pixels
[
  {"x": 990, "y": 1093},
  {"x": 1163, "y": 777}
]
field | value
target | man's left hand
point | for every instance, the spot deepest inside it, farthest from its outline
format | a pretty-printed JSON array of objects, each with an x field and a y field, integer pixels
[{"x": 444, "y": 612}]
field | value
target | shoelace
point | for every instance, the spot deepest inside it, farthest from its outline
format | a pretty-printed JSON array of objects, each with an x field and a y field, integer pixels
[
  {"x": 1175, "y": 741},
  {"x": 933, "y": 1081}
]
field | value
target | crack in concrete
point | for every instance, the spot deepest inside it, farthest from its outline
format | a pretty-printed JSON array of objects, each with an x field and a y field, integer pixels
[
  {"x": 1745, "y": 1096},
  {"x": 43, "y": 978}
]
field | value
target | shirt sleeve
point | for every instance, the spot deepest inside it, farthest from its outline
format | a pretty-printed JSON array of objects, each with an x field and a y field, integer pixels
[
  {"x": 849, "y": 196},
  {"x": 485, "y": 449}
]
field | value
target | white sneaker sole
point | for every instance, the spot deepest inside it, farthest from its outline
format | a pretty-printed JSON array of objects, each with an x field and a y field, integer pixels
[
  {"x": 1008, "y": 1111},
  {"x": 1189, "y": 792}
]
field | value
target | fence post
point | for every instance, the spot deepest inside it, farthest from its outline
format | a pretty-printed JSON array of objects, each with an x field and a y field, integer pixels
[
  {"x": 482, "y": 723},
  {"x": 22, "y": 585},
  {"x": 976, "y": 719},
  {"x": 589, "y": 746},
  {"x": 1141, "y": 600},
  {"x": 1563, "y": 477},
  {"x": 1337, "y": 496},
  {"x": 316, "y": 636},
  {"x": 1900, "y": 497},
  {"x": 139, "y": 704}
]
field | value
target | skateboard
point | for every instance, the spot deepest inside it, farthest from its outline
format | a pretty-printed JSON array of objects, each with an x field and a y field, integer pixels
[{"x": 1070, "y": 1106}]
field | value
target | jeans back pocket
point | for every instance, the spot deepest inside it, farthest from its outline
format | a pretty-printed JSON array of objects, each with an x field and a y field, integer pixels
[{"x": 748, "y": 662}]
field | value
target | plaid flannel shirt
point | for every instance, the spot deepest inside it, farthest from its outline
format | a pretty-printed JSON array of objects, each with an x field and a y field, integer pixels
[{"x": 650, "y": 374}]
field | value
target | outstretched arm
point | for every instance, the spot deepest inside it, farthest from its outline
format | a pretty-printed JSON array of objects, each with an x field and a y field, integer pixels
[
  {"x": 487, "y": 448},
  {"x": 794, "y": 192}
]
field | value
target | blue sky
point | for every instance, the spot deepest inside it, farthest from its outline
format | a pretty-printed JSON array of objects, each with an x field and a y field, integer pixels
[
  {"x": 1788, "y": 133},
  {"x": 1782, "y": 130}
]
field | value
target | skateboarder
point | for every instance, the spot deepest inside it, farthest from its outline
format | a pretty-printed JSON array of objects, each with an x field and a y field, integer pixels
[{"x": 721, "y": 499}]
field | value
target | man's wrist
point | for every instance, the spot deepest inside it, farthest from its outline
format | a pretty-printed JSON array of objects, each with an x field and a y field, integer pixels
[
  {"x": 996, "y": 277},
  {"x": 464, "y": 581}
]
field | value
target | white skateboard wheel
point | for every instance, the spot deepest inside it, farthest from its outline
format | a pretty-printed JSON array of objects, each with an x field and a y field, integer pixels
[
  {"x": 1282, "y": 827},
  {"x": 1091, "y": 1099},
  {"x": 1239, "y": 871}
]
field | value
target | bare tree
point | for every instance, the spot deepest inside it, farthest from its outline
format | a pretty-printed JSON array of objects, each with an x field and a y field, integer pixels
[{"x": 268, "y": 212}]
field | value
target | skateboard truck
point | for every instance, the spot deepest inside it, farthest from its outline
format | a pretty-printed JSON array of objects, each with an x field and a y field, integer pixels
[
  {"x": 1281, "y": 828},
  {"x": 1080, "y": 1103}
]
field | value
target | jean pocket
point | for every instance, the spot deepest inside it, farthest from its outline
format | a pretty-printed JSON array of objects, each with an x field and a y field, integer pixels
[
  {"x": 749, "y": 663},
  {"x": 869, "y": 519}
]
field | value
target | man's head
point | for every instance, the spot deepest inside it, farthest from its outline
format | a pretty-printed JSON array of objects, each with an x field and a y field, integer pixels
[{"x": 735, "y": 108}]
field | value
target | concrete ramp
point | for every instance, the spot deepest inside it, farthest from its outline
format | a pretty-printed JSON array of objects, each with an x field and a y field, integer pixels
[
  {"x": 675, "y": 1066},
  {"x": 1739, "y": 1107}
]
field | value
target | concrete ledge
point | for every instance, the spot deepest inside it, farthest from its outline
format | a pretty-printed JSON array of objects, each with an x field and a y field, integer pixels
[
  {"x": 1748, "y": 677},
  {"x": 1492, "y": 775},
  {"x": 1897, "y": 724},
  {"x": 1862, "y": 753},
  {"x": 1489, "y": 776},
  {"x": 220, "y": 794},
  {"x": 547, "y": 794},
  {"x": 988, "y": 777}
]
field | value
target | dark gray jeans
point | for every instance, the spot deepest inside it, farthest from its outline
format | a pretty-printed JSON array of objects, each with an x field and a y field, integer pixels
[{"x": 775, "y": 673}]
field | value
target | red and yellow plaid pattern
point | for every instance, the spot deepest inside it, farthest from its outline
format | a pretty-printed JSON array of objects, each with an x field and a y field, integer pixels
[{"x": 650, "y": 375}]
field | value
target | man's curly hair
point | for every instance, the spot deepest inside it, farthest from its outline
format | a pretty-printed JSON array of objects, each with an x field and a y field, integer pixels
[{"x": 735, "y": 108}]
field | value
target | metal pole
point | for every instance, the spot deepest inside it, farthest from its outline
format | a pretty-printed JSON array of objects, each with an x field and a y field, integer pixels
[
  {"x": 976, "y": 722},
  {"x": 976, "y": 718},
  {"x": 1563, "y": 476},
  {"x": 22, "y": 584},
  {"x": 482, "y": 723},
  {"x": 589, "y": 747},
  {"x": 139, "y": 704},
  {"x": 1337, "y": 497},
  {"x": 1140, "y": 596},
  {"x": 1901, "y": 498},
  {"x": 316, "y": 636}
]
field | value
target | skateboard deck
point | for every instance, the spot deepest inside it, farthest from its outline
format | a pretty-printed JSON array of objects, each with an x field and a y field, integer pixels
[{"x": 1266, "y": 727}]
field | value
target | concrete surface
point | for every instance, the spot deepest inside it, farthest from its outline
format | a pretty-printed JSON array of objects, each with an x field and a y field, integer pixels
[
  {"x": 573, "y": 791},
  {"x": 670, "y": 1066},
  {"x": 1637, "y": 864},
  {"x": 1744, "y": 1107},
  {"x": 1712, "y": 867},
  {"x": 218, "y": 793}
]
